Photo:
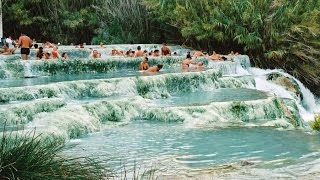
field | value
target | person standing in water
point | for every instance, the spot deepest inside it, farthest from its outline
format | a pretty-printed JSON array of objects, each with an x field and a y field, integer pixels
[{"x": 25, "y": 43}]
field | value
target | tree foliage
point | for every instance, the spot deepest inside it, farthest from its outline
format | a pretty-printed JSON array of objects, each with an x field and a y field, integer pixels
[{"x": 62, "y": 21}]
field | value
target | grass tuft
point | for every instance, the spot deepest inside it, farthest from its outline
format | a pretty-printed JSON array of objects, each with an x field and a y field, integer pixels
[
  {"x": 316, "y": 123},
  {"x": 26, "y": 155}
]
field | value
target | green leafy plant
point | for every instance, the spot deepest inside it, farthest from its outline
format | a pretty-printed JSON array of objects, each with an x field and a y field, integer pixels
[
  {"x": 26, "y": 155},
  {"x": 316, "y": 123}
]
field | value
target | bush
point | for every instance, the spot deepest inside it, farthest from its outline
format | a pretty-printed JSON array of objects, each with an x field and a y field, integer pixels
[
  {"x": 31, "y": 156},
  {"x": 316, "y": 123}
]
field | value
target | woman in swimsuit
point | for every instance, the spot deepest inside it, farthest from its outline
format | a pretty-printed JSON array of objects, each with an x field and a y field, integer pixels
[
  {"x": 144, "y": 64},
  {"x": 55, "y": 53}
]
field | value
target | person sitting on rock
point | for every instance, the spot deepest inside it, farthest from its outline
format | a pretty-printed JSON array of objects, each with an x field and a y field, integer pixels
[
  {"x": 215, "y": 56},
  {"x": 7, "y": 50},
  {"x": 144, "y": 64}
]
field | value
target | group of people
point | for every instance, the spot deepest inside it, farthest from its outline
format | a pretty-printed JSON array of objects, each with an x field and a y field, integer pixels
[
  {"x": 165, "y": 51},
  {"x": 214, "y": 56},
  {"x": 41, "y": 54},
  {"x": 186, "y": 64},
  {"x": 25, "y": 44}
]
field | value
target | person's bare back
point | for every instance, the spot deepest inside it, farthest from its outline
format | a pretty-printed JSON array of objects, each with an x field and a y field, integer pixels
[
  {"x": 25, "y": 41},
  {"x": 139, "y": 53}
]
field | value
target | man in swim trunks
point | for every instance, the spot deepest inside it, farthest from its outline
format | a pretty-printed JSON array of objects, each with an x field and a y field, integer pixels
[
  {"x": 165, "y": 51},
  {"x": 25, "y": 43}
]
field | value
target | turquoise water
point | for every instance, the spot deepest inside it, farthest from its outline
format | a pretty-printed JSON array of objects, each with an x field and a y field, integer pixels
[
  {"x": 143, "y": 142},
  {"x": 39, "y": 80}
]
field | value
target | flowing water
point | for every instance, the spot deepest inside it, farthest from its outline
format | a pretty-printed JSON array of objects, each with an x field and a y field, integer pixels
[{"x": 229, "y": 121}]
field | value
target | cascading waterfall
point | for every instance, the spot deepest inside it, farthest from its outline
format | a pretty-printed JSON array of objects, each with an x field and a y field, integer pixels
[
  {"x": 27, "y": 70},
  {"x": 304, "y": 98}
]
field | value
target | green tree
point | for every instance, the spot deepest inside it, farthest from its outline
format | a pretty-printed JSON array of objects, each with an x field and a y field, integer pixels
[{"x": 54, "y": 20}]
